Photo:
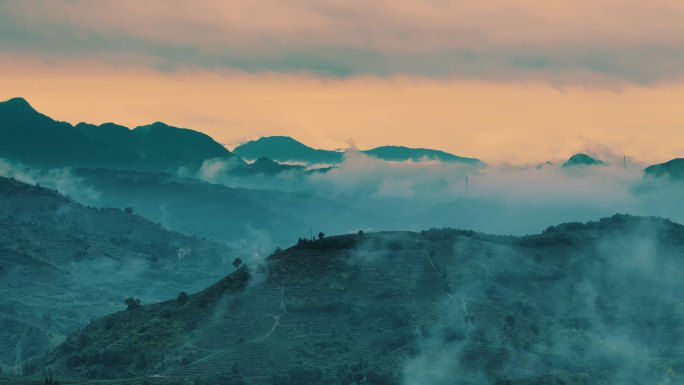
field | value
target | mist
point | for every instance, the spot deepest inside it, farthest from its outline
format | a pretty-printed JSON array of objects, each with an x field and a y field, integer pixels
[
  {"x": 500, "y": 198},
  {"x": 604, "y": 311}
]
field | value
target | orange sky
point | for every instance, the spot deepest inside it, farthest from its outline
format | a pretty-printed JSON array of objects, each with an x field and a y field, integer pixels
[
  {"x": 522, "y": 81},
  {"x": 515, "y": 122}
]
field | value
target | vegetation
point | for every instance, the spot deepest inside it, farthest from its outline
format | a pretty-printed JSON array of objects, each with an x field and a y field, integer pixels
[
  {"x": 132, "y": 303},
  {"x": 386, "y": 308}
]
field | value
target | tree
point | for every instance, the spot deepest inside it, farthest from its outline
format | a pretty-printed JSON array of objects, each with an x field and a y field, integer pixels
[
  {"x": 361, "y": 233},
  {"x": 132, "y": 303},
  {"x": 128, "y": 210},
  {"x": 182, "y": 298},
  {"x": 321, "y": 235},
  {"x": 237, "y": 262}
]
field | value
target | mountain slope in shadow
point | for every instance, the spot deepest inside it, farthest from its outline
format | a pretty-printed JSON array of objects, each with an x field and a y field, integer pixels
[
  {"x": 32, "y": 138},
  {"x": 63, "y": 264},
  {"x": 581, "y": 303}
]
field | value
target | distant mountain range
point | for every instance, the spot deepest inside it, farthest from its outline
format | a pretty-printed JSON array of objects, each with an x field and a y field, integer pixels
[
  {"x": 287, "y": 149},
  {"x": 398, "y": 307},
  {"x": 35, "y": 139}
]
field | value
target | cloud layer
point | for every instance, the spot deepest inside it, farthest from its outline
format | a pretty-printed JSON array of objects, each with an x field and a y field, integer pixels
[{"x": 579, "y": 42}]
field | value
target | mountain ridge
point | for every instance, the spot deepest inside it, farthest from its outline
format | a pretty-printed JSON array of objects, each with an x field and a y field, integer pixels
[
  {"x": 30, "y": 137},
  {"x": 288, "y": 149}
]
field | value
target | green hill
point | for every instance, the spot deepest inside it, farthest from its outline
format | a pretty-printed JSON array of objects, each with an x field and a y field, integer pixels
[
  {"x": 594, "y": 303},
  {"x": 63, "y": 264}
]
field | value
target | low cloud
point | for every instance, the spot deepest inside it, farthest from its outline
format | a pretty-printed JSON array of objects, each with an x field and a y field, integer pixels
[
  {"x": 507, "y": 199},
  {"x": 60, "y": 179}
]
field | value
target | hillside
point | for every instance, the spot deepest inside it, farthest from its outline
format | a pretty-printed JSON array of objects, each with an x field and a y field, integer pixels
[
  {"x": 63, "y": 264},
  {"x": 594, "y": 303},
  {"x": 223, "y": 213},
  {"x": 32, "y": 138}
]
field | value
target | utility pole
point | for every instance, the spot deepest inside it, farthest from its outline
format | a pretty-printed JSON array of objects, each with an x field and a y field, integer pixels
[
  {"x": 466, "y": 185},
  {"x": 624, "y": 161}
]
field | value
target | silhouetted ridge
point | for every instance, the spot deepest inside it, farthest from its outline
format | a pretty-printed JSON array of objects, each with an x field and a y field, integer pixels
[
  {"x": 35, "y": 139},
  {"x": 287, "y": 149}
]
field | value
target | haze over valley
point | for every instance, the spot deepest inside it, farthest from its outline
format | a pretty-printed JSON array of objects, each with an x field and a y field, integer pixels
[{"x": 341, "y": 192}]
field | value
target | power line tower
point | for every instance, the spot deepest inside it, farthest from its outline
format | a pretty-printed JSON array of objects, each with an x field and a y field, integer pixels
[{"x": 18, "y": 369}]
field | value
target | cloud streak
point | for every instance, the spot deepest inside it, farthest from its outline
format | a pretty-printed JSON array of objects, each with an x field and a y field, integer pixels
[{"x": 584, "y": 42}]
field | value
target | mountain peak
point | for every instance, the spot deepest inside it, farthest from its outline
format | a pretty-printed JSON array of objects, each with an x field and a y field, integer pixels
[
  {"x": 285, "y": 149},
  {"x": 581, "y": 159},
  {"x": 18, "y": 104}
]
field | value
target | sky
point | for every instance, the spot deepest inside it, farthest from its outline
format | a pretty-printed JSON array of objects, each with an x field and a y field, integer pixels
[{"x": 517, "y": 82}]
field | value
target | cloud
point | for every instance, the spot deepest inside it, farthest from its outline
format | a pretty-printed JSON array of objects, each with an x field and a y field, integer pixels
[
  {"x": 571, "y": 307},
  {"x": 60, "y": 179},
  {"x": 499, "y": 199},
  {"x": 586, "y": 42}
]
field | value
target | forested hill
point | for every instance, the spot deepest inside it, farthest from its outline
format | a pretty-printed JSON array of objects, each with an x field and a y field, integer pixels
[
  {"x": 63, "y": 264},
  {"x": 595, "y": 303}
]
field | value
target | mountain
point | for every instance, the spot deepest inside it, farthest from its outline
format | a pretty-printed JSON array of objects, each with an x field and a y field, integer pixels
[
  {"x": 236, "y": 215},
  {"x": 673, "y": 169},
  {"x": 32, "y": 138},
  {"x": 63, "y": 264},
  {"x": 401, "y": 154},
  {"x": 594, "y": 303},
  {"x": 581, "y": 160},
  {"x": 287, "y": 149}
]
